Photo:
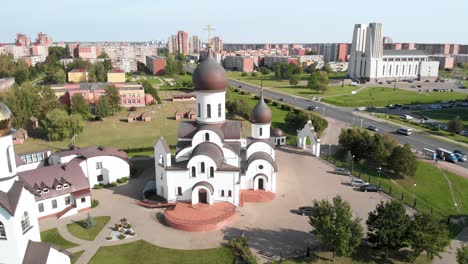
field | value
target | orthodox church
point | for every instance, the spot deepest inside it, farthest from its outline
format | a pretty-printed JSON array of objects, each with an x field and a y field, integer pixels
[
  {"x": 20, "y": 240},
  {"x": 213, "y": 163}
]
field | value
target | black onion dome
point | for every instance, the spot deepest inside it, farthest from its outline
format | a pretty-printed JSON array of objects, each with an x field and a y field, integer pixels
[
  {"x": 276, "y": 132},
  {"x": 209, "y": 75},
  {"x": 261, "y": 113}
]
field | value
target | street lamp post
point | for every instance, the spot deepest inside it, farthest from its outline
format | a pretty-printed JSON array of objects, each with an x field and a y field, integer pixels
[
  {"x": 352, "y": 164},
  {"x": 380, "y": 170},
  {"x": 361, "y": 122},
  {"x": 414, "y": 190},
  {"x": 329, "y": 150}
]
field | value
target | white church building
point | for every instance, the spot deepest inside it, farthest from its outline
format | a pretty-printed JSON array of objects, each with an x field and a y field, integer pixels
[
  {"x": 370, "y": 62},
  {"x": 212, "y": 161},
  {"x": 20, "y": 240}
]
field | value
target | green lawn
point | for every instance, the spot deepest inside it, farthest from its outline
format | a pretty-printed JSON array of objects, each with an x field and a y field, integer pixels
[
  {"x": 431, "y": 190},
  {"x": 78, "y": 230},
  {"x": 445, "y": 115},
  {"x": 362, "y": 255},
  {"x": 143, "y": 252},
  {"x": 379, "y": 96},
  {"x": 76, "y": 256},
  {"x": 307, "y": 92},
  {"x": 53, "y": 236}
]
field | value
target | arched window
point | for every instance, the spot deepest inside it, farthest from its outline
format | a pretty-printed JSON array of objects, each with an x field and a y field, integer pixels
[
  {"x": 229, "y": 193},
  {"x": 202, "y": 167},
  {"x": 194, "y": 172},
  {"x": 25, "y": 225},
  {"x": 208, "y": 110},
  {"x": 179, "y": 190},
  {"x": 211, "y": 172},
  {"x": 222, "y": 193},
  {"x": 199, "y": 111},
  {"x": 219, "y": 110},
  {"x": 207, "y": 136},
  {"x": 2, "y": 231},
  {"x": 260, "y": 131},
  {"x": 8, "y": 155}
]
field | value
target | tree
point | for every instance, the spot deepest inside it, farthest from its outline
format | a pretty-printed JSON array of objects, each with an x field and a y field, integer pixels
[
  {"x": 75, "y": 124},
  {"x": 403, "y": 161},
  {"x": 265, "y": 70},
  {"x": 103, "y": 108},
  {"x": 149, "y": 89},
  {"x": 388, "y": 226},
  {"x": 334, "y": 227},
  {"x": 243, "y": 74},
  {"x": 427, "y": 234},
  {"x": 455, "y": 125},
  {"x": 311, "y": 68},
  {"x": 21, "y": 72},
  {"x": 101, "y": 73},
  {"x": 79, "y": 106},
  {"x": 170, "y": 68},
  {"x": 89, "y": 222},
  {"x": 113, "y": 98},
  {"x": 296, "y": 120},
  {"x": 293, "y": 80},
  {"x": 462, "y": 255},
  {"x": 60, "y": 76},
  {"x": 254, "y": 74},
  {"x": 318, "y": 81},
  {"x": 59, "y": 125},
  {"x": 326, "y": 68}
]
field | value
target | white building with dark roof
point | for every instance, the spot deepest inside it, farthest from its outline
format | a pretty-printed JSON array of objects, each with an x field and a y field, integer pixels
[
  {"x": 19, "y": 226},
  {"x": 370, "y": 62},
  {"x": 213, "y": 162}
]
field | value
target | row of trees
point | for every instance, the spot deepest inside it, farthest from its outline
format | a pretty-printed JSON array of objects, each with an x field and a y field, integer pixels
[
  {"x": 389, "y": 229},
  {"x": 379, "y": 150},
  {"x": 297, "y": 119},
  {"x": 175, "y": 65},
  {"x": 20, "y": 70}
]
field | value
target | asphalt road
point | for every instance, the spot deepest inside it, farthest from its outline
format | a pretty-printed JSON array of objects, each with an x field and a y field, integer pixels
[{"x": 343, "y": 114}]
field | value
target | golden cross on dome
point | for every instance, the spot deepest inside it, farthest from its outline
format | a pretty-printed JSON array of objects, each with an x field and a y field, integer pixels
[{"x": 209, "y": 28}]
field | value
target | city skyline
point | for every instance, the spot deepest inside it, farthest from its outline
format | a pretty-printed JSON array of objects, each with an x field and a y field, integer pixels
[{"x": 249, "y": 22}]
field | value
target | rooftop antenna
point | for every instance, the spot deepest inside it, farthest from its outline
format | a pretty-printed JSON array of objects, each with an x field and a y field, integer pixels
[{"x": 209, "y": 28}]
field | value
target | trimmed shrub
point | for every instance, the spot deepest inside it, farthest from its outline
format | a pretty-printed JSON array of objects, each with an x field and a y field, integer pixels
[
  {"x": 94, "y": 203},
  {"x": 109, "y": 238},
  {"x": 267, "y": 100},
  {"x": 98, "y": 186},
  {"x": 121, "y": 236}
]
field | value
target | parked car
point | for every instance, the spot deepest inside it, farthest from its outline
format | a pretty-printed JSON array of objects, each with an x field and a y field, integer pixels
[
  {"x": 460, "y": 157},
  {"x": 312, "y": 107},
  {"x": 369, "y": 188},
  {"x": 281, "y": 99},
  {"x": 354, "y": 84},
  {"x": 307, "y": 210},
  {"x": 398, "y": 105},
  {"x": 406, "y": 117},
  {"x": 356, "y": 182},
  {"x": 361, "y": 108},
  {"x": 457, "y": 151},
  {"x": 370, "y": 108},
  {"x": 390, "y": 106},
  {"x": 342, "y": 171},
  {"x": 405, "y": 131},
  {"x": 463, "y": 133},
  {"x": 406, "y": 107},
  {"x": 373, "y": 128}
]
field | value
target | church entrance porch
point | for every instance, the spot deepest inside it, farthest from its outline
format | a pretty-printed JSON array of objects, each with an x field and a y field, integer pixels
[
  {"x": 202, "y": 196},
  {"x": 261, "y": 182}
]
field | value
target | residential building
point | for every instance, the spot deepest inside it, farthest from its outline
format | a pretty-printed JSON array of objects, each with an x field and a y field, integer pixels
[
  {"x": 38, "y": 50},
  {"x": 370, "y": 62},
  {"x": 270, "y": 61},
  {"x": 116, "y": 75},
  {"x": 156, "y": 65},
  {"x": 22, "y": 40},
  {"x": 461, "y": 58},
  {"x": 239, "y": 63},
  {"x": 179, "y": 43},
  {"x": 216, "y": 44},
  {"x": 44, "y": 39},
  {"x": 6, "y": 83},
  {"x": 86, "y": 52},
  {"x": 445, "y": 61},
  {"x": 195, "y": 44},
  {"x": 78, "y": 75}
]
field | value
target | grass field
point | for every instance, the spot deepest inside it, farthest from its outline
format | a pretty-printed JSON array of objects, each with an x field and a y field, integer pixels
[
  {"x": 362, "y": 255},
  {"x": 379, "y": 96},
  {"x": 143, "y": 252},
  {"x": 431, "y": 191},
  {"x": 53, "y": 236},
  {"x": 268, "y": 80},
  {"x": 78, "y": 230},
  {"x": 307, "y": 92},
  {"x": 76, "y": 256},
  {"x": 445, "y": 115}
]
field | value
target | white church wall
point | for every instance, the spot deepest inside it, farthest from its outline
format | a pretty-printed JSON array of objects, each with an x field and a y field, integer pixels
[
  {"x": 230, "y": 157},
  {"x": 261, "y": 131},
  {"x": 213, "y": 99},
  {"x": 112, "y": 169},
  {"x": 258, "y": 167},
  {"x": 83, "y": 202},
  {"x": 429, "y": 69},
  {"x": 16, "y": 242},
  {"x": 260, "y": 146},
  {"x": 56, "y": 257},
  {"x": 48, "y": 208},
  {"x": 200, "y": 137}
]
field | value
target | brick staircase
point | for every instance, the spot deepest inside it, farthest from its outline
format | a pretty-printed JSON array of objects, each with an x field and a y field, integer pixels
[
  {"x": 256, "y": 196},
  {"x": 64, "y": 212}
]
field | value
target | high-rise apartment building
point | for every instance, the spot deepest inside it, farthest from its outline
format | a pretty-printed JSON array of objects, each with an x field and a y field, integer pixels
[
  {"x": 179, "y": 43},
  {"x": 195, "y": 44},
  {"x": 216, "y": 44},
  {"x": 43, "y": 39},
  {"x": 22, "y": 40}
]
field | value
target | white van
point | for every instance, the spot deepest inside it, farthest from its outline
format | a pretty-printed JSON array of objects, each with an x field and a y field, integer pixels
[{"x": 405, "y": 131}]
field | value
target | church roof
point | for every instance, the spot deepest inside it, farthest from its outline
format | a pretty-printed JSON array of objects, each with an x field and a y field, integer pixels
[
  {"x": 250, "y": 141},
  {"x": 93, "y": 151},
  {"x": 211, "y": 150},
  {"x": 51, "y": 176},
  {"x": 277, "y": 132},
  {"x": 262, "y": 156},
  {"x": 261, "y": 113},
  {"x": 398, "y": 53},
  {"x": 9, "y": 200},
  {"x": 165, "y": 145},
  {"x": 209, "y": 75},
  {"x": 38, "y": 252},
  {"x": 229, "y": 129}
]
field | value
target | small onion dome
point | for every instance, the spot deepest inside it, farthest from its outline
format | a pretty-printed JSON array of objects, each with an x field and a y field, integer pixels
[
  {"x": 209, "y": 75},
  {"x": 261, "y": 113},
  {"x": 276, "y": 132},
  {"x": 5, "y": 120}
]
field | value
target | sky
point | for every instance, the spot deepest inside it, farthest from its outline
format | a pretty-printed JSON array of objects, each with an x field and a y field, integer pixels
[{"x": 236, "y": 21}]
